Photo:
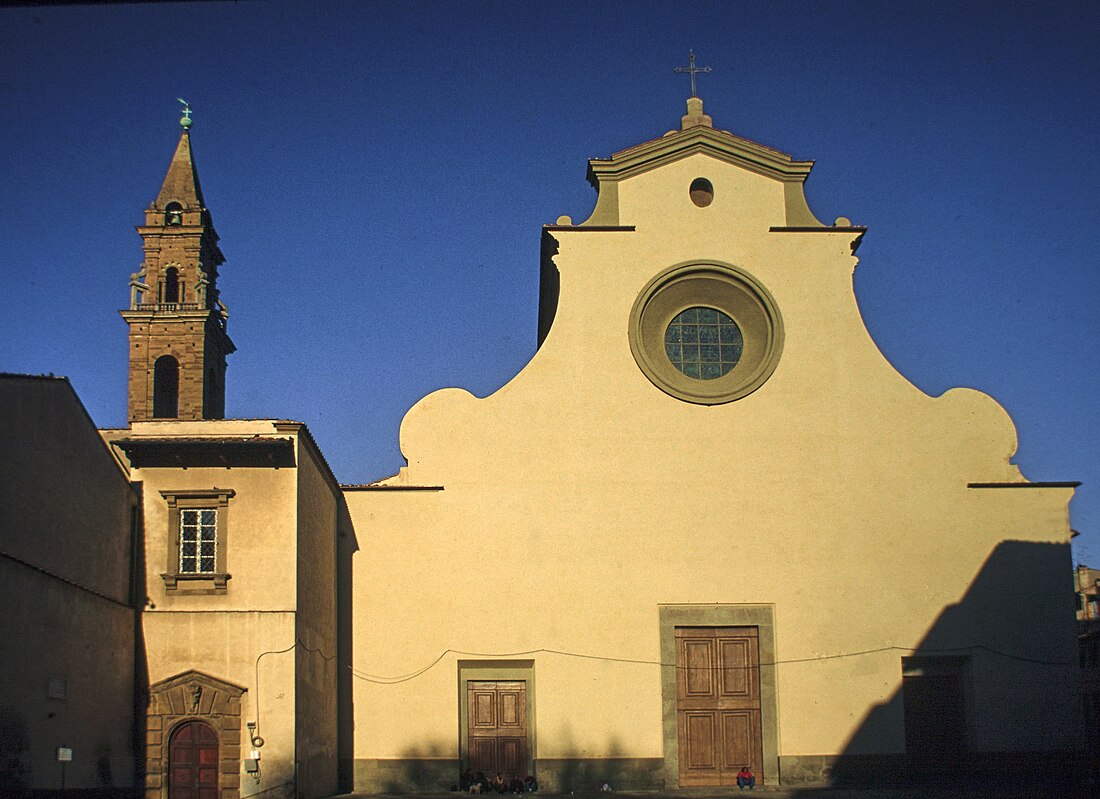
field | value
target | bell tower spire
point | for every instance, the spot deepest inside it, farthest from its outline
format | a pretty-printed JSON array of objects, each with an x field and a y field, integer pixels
[{"x": 178, "y": 338}]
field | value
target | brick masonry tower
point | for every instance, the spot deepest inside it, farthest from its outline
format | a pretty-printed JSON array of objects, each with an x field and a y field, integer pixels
[{"x": 178, "y": 338}]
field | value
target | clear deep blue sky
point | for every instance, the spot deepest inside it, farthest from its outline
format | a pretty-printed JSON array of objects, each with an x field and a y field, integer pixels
[{"x": 378, "y": 173}]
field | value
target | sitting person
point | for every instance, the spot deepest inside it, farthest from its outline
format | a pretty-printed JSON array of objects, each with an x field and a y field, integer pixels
[
  {"x": 529, "y": 784},
  {"x": 498, "y": 784},
  {"x": 480, "y": 783},
  {"x": 515, "y": 785},
  {"x": 466, "y": 780},
  {"x": 746, "y": 779}
]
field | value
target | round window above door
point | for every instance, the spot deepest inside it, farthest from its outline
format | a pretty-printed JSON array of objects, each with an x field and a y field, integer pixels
[{"x": 706, "y": 332}]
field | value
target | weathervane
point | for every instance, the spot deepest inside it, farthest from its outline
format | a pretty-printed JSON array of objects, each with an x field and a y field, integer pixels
[
  {"x": 185, "y": 120},
  {"x": 691, "y": 70}
]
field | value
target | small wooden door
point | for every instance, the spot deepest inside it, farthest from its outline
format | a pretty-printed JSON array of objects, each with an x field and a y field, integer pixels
[
  {"x": 193, "y": 762},
  {"x": 718, "y": 704},
  {"x": 497, "y": 724}
]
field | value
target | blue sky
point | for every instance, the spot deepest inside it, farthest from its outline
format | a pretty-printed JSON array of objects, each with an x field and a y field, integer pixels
[{"x": 379, "y": 172}]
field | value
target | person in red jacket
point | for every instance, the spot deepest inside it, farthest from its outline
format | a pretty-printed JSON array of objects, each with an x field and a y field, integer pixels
[{"x": 746, "y": 779}]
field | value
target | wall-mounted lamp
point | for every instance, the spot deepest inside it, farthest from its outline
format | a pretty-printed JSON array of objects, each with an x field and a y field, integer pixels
[{"x": 256, "y": 740}]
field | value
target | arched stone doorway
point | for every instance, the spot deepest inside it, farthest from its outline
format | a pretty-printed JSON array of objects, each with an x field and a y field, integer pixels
[
  {"x": 193, "y": 738},
  {"x": 193, "y": 762}
]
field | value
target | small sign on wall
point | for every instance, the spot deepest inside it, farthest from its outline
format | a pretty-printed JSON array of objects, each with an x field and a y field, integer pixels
[{"x": 64, "y": 754}]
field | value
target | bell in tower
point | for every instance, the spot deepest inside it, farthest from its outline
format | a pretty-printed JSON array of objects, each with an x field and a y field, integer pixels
[{"x": 178, "y": 338}]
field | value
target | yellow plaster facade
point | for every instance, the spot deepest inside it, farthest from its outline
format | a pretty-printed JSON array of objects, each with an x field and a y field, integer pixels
[{"x": 560, "y": 515}]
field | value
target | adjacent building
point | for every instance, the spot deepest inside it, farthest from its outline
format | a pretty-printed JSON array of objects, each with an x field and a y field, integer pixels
[
  {"x": 1086, "y": 584},
  {"x": 246, "y": 540},
  {"x": 71, "y": 651}
]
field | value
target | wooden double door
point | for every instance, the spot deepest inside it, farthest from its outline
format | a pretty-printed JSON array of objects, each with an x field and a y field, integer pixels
[
  {"x": 718, "y": 704},
  {"x": 497, "y": 727},
  {"x": 193, "y": 762}
]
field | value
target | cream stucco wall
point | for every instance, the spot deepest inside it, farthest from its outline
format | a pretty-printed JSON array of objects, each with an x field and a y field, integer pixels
[{"x": 579, "y": 498}]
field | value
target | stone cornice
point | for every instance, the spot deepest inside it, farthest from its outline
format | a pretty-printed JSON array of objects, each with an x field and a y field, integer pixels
[
  {"x": 1049, "y": 484},
  {"x": 593, "y": 228},
  {"x": 208, "y": 451},
  {"x": 855, "y": 231},
  {"x": 680, "y": 144}
]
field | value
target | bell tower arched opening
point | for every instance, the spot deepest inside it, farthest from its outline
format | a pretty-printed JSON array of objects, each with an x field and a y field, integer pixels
[
  {"x": 173, "y": 214},
  {"x": 166, "y": 388},
  {"x": 171, "y": 285}
]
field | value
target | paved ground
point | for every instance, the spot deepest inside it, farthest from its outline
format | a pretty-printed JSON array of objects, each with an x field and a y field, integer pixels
[{"x": 766, "y": 792}]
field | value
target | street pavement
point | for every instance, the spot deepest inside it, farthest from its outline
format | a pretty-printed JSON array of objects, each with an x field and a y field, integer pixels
[{"x": 1032, "y": 791}]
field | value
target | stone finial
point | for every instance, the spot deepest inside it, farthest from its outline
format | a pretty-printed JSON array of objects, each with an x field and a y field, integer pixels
[{"x": 695, "y": 116}]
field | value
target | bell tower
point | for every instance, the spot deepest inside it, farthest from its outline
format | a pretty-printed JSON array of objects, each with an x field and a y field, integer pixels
[{"x": 178, "y": 338}]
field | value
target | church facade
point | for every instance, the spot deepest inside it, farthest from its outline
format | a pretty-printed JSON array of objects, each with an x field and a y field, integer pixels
[{"x": 707, "y": 526}]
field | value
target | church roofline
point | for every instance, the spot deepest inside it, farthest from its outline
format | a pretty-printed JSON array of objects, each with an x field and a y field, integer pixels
[
  {"x": 699, "y": 139},
  {"x": 383, "y": 487}
]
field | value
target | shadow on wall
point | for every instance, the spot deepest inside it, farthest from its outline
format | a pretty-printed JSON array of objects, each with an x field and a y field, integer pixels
[
  {"x": 432, "y": 768},
  {"x": 429, "y": 767},
  {"x": 991, "y": 694},
  {"x": 347, "y": 545},
  {"x": 15, "y": 744},
  {"x": 577, "y": 771},
  {"x": 138, "y": 598}
]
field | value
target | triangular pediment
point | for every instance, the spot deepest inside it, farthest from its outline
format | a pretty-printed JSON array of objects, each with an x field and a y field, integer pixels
[
  {"x": 191, "y": 677},
  {"x": 719, "y": 144},
  {"x": 698, "y": 140}
]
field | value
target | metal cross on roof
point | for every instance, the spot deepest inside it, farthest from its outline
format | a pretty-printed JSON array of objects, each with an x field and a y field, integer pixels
[
  {"x": 185, "y": 120},
  {"x": 691, "y": 70}
]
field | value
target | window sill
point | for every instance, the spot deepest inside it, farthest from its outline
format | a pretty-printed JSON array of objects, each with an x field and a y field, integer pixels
[{"x": 196, "y": 583}]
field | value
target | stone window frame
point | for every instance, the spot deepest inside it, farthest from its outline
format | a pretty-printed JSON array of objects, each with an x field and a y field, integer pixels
[
  {"x": 712, "y": 284},
  {"x": 190, "y": 499}
]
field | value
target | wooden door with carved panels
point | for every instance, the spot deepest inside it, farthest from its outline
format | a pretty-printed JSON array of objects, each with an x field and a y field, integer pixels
[
  {"x": 193, "y": 762},
  {"x": 497, "y": 727},
  {"x": 718, "y": 704}
]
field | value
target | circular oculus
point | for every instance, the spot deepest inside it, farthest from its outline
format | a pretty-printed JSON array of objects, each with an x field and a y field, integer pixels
[{"x": 671, "y": 305}]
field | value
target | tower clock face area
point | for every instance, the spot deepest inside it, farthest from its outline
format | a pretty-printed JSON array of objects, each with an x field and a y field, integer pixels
[{"x": 706, "y": 332}]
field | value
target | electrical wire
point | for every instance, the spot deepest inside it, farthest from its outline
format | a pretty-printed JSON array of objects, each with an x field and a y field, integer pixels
[
  {"x": 297, "y": 643},
  {"x": 395, "y": 680}
]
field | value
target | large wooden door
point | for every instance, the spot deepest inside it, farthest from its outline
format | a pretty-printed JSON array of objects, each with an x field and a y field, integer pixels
[
  {"x": 718, "y": 704},
  {"x": 497, "y": 725},
  {"x": 193, "y": 762}
]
